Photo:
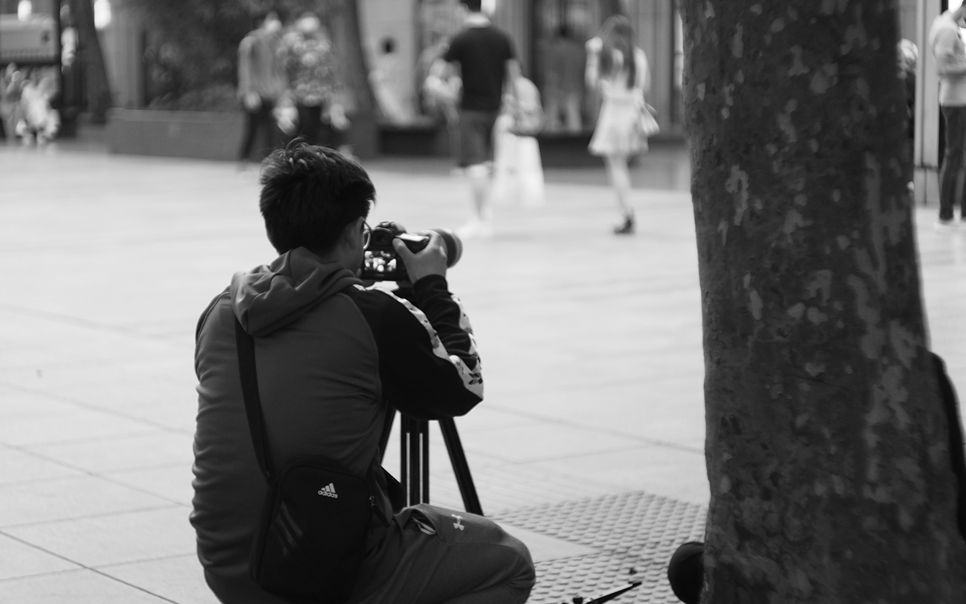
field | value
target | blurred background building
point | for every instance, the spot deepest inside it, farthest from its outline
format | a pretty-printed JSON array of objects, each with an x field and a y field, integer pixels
[{"x": 144, "y": 69}]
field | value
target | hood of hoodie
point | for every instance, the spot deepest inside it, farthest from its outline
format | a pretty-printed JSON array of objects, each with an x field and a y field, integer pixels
[{"x": 274, "y": 295}]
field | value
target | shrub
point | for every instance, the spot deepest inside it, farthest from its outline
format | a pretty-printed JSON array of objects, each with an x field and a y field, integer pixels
[{"x": 190, "y": 57}]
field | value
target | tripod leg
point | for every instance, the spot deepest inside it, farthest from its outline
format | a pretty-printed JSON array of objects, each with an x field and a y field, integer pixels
[
  {"x": 415, "y": 460},
  {"x": 461, "y": 468},
  {"x": 386, "y": 429}
]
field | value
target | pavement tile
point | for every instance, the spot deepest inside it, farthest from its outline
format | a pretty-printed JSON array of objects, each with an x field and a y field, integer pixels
[
  {"x": 591, "y": 348},
  {"x": 18, "y": 466},
  {"x": 19, "y": 403},
  {"x": 162, "y": 395},
  {"x": 71, "y": 424},
  {"x": 176, "y": 579},
  {"x": 171, "y": 482},
  {"x": 659, "y": 470},
  {"x": 74, "y": 586},
  {"x": 545, "y": 440},
  {"x": 115, "y": 538},
  {"x": 146, "y": 449},
  {"x": 19, "y": 559},
  {"x": 66, "y": 498},
  {"x": 544, "y": 548}
]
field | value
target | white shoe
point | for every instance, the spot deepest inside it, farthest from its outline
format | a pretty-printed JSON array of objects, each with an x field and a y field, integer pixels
[
  {"x": 945, "y": 225},
  {"x": 476, "y": 229}
]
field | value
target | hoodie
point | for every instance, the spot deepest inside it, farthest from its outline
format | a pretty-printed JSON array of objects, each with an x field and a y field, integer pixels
[
  {"x": 950, "y": 52},
  {"x": 331, "y": 355}
]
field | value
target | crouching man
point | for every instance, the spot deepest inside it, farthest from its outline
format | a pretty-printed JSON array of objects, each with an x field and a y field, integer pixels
[{"x": 329, "y": 354}]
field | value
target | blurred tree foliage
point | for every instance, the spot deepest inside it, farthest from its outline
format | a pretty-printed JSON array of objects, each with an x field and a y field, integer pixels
[{"x": 190, "y": 55}]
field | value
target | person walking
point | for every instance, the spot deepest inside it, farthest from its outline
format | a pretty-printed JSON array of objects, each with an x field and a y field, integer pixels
[
  {"x": 259, "y": 85},
  {"x": 564, "y": 81},
  {"x": 618, "y": 69},
  {"x": 486, "y": 60},
  {"x": 314, "y": 83},
  {"x": 950, "y": 53},
  {"x": 388, "y": 82}
]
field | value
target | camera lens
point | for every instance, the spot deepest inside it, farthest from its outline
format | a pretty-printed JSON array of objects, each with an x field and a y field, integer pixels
[{"x": 454, "y": 246}]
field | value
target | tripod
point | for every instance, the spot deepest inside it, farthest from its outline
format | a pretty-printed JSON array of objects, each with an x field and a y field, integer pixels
[{"x": 414, "y": 459}]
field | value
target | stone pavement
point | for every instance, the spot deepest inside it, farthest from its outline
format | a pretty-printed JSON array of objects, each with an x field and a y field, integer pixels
[{"x": 589, "y": 443}]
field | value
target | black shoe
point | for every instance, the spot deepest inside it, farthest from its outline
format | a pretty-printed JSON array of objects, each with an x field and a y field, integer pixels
[{"x": 626, "y": 227}]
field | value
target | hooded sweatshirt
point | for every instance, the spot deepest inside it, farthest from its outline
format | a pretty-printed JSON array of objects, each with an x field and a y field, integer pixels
[
  {"x": 329, "y": 355},
  {"x": 950, "y": 52}
]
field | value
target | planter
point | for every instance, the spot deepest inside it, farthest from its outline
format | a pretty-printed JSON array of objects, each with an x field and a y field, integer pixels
[
  {"x": 193, "y": 134},
  {"x": 212, "y": 135}
]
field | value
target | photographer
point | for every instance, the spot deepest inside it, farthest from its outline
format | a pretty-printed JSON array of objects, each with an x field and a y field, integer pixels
[{"x": 330, "y": 354}]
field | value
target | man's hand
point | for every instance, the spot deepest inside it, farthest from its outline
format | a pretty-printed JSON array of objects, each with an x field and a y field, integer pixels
[
  {"x": 252, "y": 101},
  {"x": 431, "y": 260},
  {"x": 286, "y": 117},
  {"x": 338, "y": 118}
]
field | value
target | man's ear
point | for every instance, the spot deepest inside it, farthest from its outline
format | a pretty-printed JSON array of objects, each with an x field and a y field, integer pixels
[{"x": 351, "y": 232}]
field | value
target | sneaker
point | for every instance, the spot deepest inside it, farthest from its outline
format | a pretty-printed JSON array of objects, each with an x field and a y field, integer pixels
[{"x": 947, "y": 224}]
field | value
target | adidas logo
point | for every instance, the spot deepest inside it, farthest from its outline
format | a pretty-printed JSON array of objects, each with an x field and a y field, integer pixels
[{"x": 329, "y": 491}]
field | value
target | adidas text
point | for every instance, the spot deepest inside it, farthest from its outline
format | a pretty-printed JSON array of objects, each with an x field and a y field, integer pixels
[{"x": 329, "y": 491}]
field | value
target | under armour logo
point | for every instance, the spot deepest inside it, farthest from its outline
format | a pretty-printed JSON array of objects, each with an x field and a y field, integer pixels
[{"x": 459, "y": 522}]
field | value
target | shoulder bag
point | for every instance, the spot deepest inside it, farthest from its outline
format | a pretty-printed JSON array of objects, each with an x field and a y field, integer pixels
[{"x": 312, "y": 535}]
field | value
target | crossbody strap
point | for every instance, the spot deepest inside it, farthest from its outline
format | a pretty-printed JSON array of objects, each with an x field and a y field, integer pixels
[{"x": 253, "y": 404}]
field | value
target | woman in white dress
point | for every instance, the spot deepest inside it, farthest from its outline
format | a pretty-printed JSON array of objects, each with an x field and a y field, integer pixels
[{"x": 618, "y": 69}]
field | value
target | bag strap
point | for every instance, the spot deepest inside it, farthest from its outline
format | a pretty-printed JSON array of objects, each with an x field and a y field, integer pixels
[{"x": 253, "y": 404}]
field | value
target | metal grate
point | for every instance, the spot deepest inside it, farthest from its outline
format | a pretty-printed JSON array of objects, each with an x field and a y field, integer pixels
[{"x": 633, "y": 535}]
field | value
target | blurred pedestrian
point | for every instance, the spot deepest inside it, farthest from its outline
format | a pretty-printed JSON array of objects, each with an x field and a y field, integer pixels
[
  {"x": 314, "y": 83},
  {"x": 39, "y": 121},
  {"x": 438, "y": 97},
  {"x": 260, "y": 85},
  {"x": 950, "y": 52},
  {"x": 486, "y": 61},
  {"x": 564, "y": 81},
  {"x": 388, "y": 84},
  {"x": 11, "y": 89},
  {"x": 618, "y": 69},
  {"x": 907, "y": 56},
  {"x": 517, "y": 168}
]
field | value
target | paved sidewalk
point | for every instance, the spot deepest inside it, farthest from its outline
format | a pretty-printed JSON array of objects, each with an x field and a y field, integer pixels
[{"x": 591, "y": 347}]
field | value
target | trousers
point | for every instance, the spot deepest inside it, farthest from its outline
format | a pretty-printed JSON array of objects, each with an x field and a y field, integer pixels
[{"x": 433, "y": 555}]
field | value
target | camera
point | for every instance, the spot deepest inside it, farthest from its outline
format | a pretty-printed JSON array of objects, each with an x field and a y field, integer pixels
[{"x": 380, "y": 261}]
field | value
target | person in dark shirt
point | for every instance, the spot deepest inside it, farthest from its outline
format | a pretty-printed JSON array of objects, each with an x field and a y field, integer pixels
[
  {"x": 333, "y": 359},
  {"x": 260, "y": 86},
  {"x": 485, "y": 59}
]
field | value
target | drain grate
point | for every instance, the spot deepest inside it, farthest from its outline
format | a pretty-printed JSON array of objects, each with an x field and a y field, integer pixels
[{"x": 633, "y": 535}]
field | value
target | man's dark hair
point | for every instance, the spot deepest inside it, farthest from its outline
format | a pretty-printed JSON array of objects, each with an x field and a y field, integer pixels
[
  {"x": 309, "y": 194},
  {"x": 474, "y": 6}
]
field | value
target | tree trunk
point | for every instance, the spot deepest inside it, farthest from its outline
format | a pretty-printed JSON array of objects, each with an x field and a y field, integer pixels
[
  {"x": 827, "y": 450},
  {"x": 92, "y": 59}
]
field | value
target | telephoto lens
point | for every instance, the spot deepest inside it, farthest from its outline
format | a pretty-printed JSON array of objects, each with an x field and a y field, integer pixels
[{"x": 454, "y": 245}]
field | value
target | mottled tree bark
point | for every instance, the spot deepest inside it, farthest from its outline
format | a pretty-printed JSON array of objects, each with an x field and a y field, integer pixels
[{"x": 826, "y": 444}]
